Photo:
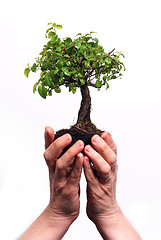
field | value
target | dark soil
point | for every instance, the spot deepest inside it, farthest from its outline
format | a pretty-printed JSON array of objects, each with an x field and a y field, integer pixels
[{"x": 83, "y": 131}]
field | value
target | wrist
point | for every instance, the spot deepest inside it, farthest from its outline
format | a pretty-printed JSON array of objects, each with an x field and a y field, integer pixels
[
  {"x": 116, "y": 227},
  {"x": 47, "y": 227},
  {"x": 57, "y": 220}
]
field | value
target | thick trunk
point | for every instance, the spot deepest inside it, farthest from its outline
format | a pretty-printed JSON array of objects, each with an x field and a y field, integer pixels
[{"x": 85, "y": 108}]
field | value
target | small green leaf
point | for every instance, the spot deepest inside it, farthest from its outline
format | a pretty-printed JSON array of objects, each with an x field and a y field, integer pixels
[
  {"x": 33, "y": 68},
  {"x": 57, "y": 89},
  {"x": 61, "y": 80},
  {"x": 93, "y": 32},
  {"x": 96, "y": 40},
  {"x": 59, "y": 26},
  {"x": 54, "y": 24},
  {"x": 79, "y": 34},
  {"x": 66, "y": 72},
  {"x": 113, "y": 77},
  {"x": 50, "y": 93},
  {"x": 42, "y": 91},
  {"x": 56, "y": 71},
  {"x": 77, "y": 45},
  {"x": 35, "y": 87},
  {"x": 26, "y": 72},
  {"x": 104, "y": 78},
  {"x": 98, "y": 84},
  {"x": 82, "y": 81},
  {"x": 107, "y": 85},
  {"x": 48, "y": 80},
  {"x": 51, "y": 34},
  {"x": 108, "y": 61},
  {"x": 74, "y": 89}
]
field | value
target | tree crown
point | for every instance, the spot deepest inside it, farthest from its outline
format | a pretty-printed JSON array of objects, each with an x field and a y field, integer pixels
[{"x": 74, "y": 63}]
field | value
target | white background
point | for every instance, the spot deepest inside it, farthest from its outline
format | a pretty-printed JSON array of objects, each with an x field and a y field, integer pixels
[{"x": 130, "y": 109}]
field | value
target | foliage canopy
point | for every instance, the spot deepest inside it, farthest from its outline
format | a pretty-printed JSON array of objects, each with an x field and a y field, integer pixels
[{"x": 74, "y": 63}]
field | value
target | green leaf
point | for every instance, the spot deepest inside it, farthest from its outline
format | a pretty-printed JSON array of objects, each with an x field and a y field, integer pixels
[
  {"x": 96, "y": 40},
  {"x": 93, "y": 32},
  {"x": 48, "y": 80},
  {"x": 79, "y": 34},
  {"x": 74, "y": 89},
  {"x": 50, "y": 93},
  {"x": 42, "y": 91},
  {"x": 54, "y": 24},
  {"x": 65, "y": 71},
  {"x": 104, "y": 78},
  {"x": 82, "y": 81},
  {"x": 33, "y": 68},
  {"x": 108, "y": 61},
  {"x": 107, "y": 85},
  {"x": 98, "y": 84},
  {"x": 59, "y": 26},
  {"x": 61, "y": 80},
  {"x": 51, "y": 34},
  {"x": 35, "y": 87},
  {"x": 26, "y": 72},
  {"x": 57, "y": 89},
  {"x": 77, "y": 45},
  {"x": 56, "y": 71},
  {"x": 66, "y": 55}
]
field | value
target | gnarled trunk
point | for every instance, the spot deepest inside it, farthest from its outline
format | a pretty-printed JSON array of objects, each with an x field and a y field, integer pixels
[{"x": 85, "y": 108}]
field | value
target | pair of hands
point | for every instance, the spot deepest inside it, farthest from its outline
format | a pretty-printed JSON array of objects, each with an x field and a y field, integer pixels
[{"x": 100, "y": 168}]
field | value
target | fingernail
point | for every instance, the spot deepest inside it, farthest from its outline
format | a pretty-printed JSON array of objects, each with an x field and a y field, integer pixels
[
  {"x": 67, "y": 137},
  {"x": 88, "y": 148},
  {"x": 78, "y": 143},
  {"x": 106, "y": 135},
  {"x": 95, "y": 138}
]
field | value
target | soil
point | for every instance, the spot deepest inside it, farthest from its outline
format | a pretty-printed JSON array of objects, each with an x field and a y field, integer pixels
[{"x": 82, "y": 131}]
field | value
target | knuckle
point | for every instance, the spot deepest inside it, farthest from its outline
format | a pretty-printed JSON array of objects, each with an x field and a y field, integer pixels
[
  {"x": 115, "y": 150},
  {"x": 113, "y": 159},
  {"x": 106, "y": 172},
  {"x": 73, "y": 174},
  {"x": 45, "y": 155},
  {"x": 59, "y": 165},
  {"x": 69, "y": 153}
]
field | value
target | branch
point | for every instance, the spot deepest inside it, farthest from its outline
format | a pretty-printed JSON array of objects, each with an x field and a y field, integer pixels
[{"x": 112, "y": 51}]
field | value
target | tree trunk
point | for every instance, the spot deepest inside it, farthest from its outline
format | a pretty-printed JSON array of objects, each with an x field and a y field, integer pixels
[{"x": 85, "y": 108}]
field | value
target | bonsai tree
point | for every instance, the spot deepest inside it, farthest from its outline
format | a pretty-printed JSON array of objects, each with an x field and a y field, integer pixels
[{"x": 79, "y": 63}]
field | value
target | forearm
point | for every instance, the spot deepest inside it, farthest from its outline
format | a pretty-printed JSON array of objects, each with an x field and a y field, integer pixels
[
  {"x": 117, "y": 228},
  {"x": 46, "y": 228}
]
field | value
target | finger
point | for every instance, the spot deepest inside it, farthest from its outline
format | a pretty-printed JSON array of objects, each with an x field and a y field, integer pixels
[
  {"x": 75, "y": 174},
  {"x": 56, "y": 148},
  {"x": 49, "y": 136},
  {"x": 88, "y": 172},
  {"x": 64, "y": 163},
  {"x": 106, "y": 136},
  {"x": 104, "y": 150},
  {"x": 102, "y": 167}
]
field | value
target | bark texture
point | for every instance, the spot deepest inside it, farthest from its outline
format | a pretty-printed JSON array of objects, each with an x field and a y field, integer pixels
[{"x": 85, "y": 107}]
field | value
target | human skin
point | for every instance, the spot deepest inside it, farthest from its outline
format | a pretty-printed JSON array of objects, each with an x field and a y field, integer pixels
[
  {"x": 64, "y": 175},
  {"x": 100, "y": 168},
  {"x": 102, "y": 207}
]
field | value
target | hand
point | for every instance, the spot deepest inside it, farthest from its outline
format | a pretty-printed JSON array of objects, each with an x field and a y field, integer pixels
[
  {"x": 64, "y": 175},
  {"x": 101, "y": 177}
]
